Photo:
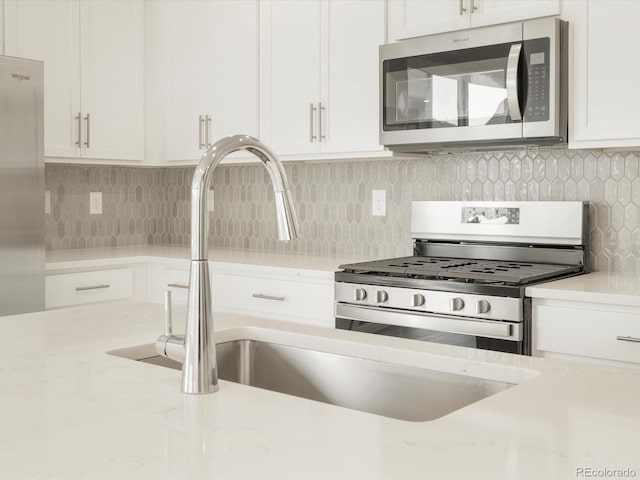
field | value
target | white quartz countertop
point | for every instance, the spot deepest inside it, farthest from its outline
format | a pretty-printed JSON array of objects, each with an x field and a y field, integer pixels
[
  {"x": 598, "y": 287},
  {"x": 70, "y": 411},
  {"x": 96, "y": 257}
]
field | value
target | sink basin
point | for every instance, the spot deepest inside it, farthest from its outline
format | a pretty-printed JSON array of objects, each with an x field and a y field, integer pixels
[{"x": 392, "y": 390}]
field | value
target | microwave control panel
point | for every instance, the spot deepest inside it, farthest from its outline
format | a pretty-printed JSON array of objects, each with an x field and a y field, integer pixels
[{"x": 536, "y": 56}]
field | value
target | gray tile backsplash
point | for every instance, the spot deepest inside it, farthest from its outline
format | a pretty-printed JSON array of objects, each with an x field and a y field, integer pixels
[
  {"x": 134, "y": 210},
  {"x": 143, "y": 205}
]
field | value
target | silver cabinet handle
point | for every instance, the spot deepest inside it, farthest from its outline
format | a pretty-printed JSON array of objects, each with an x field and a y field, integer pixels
[
  {"x": 207, "y": 129},
  {"x": 461, "y": 8},
  {"x": 321, "y": 110},
  {"x": 88, "y": 142},
  {"x": 628, "y": 339},
  {"x": 79, "y": 125},
  {"x": 512, "y": 81},
  {"x": 200, "y": 122},
  {"x": 92, "y": 287},
  {"x": 473, "y": 7},
  {"x": 177, "y": 285},
  {"x": 268, "y": 297},
  {"x": 312, "y": 130}
]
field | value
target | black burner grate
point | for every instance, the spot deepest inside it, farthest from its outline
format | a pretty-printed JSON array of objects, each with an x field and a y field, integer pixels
[{"x": 515, "y": 273}]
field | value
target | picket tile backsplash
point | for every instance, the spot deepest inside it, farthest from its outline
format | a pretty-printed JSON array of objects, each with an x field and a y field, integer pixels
[{"x": 152, "y": 206}]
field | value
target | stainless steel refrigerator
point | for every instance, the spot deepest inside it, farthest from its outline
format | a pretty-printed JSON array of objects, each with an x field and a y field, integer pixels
[{"x": 21, "y": 186}]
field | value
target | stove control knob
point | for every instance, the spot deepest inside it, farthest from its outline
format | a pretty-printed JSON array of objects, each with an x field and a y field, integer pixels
[
  {"x": 483, "y": 306},
  {"x": 359, "y": 294},
  {"x": 417, "y": 300},
  {"x": 456, "y": 304},
  {"x": 381, "y": 296}
]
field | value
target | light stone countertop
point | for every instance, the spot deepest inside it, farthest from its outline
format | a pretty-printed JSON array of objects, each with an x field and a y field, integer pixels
[
  {"x": 612, "y": 288},
  {"x": 97, "y": 257},
  {"x": 70, "y": 411}
]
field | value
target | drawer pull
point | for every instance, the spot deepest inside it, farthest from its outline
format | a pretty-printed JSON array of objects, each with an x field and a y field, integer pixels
[
  {"x": 628, "y": 339},
  {"x": 92, "y": 287},
  {"x": 177, "y": 285},
  {"x": 268, "y": 297}
]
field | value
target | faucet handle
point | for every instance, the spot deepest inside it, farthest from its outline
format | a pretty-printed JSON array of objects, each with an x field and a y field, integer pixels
[{"x": 168, "y": 323}]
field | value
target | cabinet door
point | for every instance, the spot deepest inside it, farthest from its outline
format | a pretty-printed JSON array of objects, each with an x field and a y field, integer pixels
[
  {"x": 49, "y": 31},
  {"x": 350, "y": 87},
  {"x": 605, "y": 71},
  {"x": 184, "y": 79},
  {"x": 414, "y": 18},
  {"x": 491, "y": 12},
  {"x": 111, "y": 60},
  {"x": 234, "y": 58},
  {"x": 290, "y": 75}
]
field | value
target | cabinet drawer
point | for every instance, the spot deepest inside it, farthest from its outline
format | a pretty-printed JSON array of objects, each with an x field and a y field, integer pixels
[
  {"x": 279, "y": 299},
  {"x": 588, "y": 332},
  {"x": 88, "y": 287}
]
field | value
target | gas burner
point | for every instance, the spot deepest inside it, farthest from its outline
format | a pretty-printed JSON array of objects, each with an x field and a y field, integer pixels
[{"x": 461, "y": 269}]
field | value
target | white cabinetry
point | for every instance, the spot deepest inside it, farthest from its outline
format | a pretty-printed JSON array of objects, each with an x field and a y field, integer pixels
[
  {"x": 604, "y": 74},
  {"x": 93, "y": 73},
  {"x": 78, "y": 288},
  {"x": 301, "y": 296},
  {"x": 319, "y": 75},
  {"x": 586, "y": 331},
  {"x": 414, "y": 18},
  {"x": 287, "y": 294},
  {"x": 202, "y": 75}
]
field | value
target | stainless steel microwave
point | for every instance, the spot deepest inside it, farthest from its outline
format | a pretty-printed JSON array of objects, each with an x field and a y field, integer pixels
[{"x": 492, "y": 86}]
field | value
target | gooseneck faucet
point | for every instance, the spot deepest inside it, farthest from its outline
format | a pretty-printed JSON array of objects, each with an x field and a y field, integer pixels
[{"x": 196, "y": 349}]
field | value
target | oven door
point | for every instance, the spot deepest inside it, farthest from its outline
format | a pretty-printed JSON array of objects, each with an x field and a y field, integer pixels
[{"x": 451, "y": 330}]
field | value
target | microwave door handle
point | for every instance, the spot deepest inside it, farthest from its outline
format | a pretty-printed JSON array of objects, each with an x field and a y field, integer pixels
[{"x": 512, "y": 82}]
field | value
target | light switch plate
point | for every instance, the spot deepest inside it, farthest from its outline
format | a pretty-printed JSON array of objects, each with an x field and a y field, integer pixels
[{"x": 95, "y": 203}]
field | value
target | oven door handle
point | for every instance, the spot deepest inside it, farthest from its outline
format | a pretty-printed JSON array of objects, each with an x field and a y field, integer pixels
[
  {"x": 427, "y": 321},
  {"x": 513, "y": 102}
]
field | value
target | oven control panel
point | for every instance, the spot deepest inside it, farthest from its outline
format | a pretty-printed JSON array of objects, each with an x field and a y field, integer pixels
[{"x": 431, "y": 301}]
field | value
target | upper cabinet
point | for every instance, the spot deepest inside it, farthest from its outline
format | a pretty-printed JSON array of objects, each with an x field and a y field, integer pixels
[
  {"x": 414, "y": 18},
  {"x": 93, "y": 56},
  {"x": 202, "y": 75},
  {"x": 319, "y": 75},
  {"x": 604, "y": 74}
]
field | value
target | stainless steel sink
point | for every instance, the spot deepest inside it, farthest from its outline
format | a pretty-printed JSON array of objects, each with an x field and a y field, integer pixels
[{"x": 392, "y": 390}]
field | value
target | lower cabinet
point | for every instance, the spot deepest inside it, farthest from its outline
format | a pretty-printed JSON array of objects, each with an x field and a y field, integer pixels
[
  {"x": 608, "y": 334},
  {"x": 66, "y": 289},
  {"x": 287, "y": 294},
  {"x": 301, "y": 296}
]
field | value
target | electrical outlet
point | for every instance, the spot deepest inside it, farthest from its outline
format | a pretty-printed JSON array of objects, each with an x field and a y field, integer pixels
[
  {"x": 210, "y": 200},
  {"x": 47, "y": 201},
  {"x": 379, "y": 203},
  {"x": 95, "y": 203}
]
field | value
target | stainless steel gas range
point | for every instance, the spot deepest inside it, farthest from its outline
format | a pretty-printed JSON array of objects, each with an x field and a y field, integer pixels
[{"x": 465, "y": 283}]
